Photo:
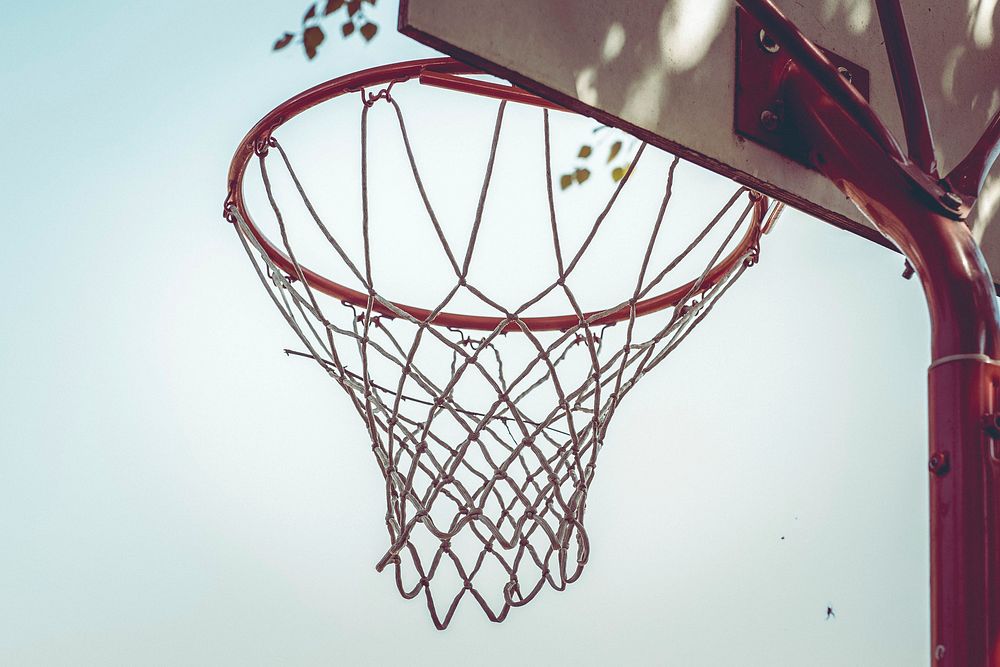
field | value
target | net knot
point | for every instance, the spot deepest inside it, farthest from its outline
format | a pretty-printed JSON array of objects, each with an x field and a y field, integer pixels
[
  {"x": 369, "y": 99},
  {"x": 421, "y": 448},
  {"x": 446, "y": 546},
  {"x": 229, "y": 210},
  {"x": 686, "y": 309},
  {"x": 466, "y": 341},
  {"x": 263, "y": 144}
]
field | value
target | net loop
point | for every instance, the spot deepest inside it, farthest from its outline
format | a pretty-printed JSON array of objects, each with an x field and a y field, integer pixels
[{"x": 369, "y": 99}]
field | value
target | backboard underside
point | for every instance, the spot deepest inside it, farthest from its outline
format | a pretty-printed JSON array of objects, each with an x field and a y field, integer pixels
[{"x": 666, "y": 72}]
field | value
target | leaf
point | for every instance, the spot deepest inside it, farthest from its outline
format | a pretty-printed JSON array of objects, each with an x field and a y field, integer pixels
[
  {"x": 565, "y": 181},
  {"x": 283, "y": 41},
  {"x": 582, "y": 175},
  {"x": 311, "y": 39},
  {"x": 368, "y": 31},
  {"x": 618, "y": 173},
  {"x": 585, "y": 151},
  {"x": 311, "y": 14},
  {"x": 615, "y": 147},
  {"x": 347, "y": 28},
  {"x": 353, "y": 7},
  {"x": 332, "y": 6}
]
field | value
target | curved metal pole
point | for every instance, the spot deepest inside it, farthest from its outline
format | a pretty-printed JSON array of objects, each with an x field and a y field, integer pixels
[
  {"x": 963, "y": 380},
  {"x": 851, "y": 146}
]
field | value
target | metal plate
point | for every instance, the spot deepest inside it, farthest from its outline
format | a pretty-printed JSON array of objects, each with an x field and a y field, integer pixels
[{"x": 759, "y": 109}]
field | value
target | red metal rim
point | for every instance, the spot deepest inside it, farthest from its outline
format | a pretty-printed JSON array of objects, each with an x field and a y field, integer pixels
[{"x": 442, "y": 72}]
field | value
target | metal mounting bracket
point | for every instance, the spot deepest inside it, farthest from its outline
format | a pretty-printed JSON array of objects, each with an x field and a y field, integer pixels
[{"x": 759, "y": 109}]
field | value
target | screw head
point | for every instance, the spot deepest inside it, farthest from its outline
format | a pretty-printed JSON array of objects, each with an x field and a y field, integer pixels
[
  {"x": 951, "y": 200},
  {"x": 846, "y": 73},
  {"x": 938, "y": 463},
  {"x": 769, "y": 120},
  {"x": 767, "y": 42}
]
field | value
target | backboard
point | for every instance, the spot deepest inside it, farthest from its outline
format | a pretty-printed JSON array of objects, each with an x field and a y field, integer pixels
[{"x": 666, "y": 72}]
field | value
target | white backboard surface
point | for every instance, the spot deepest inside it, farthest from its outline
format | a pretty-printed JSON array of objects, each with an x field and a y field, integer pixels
[{"x": 666, "y": 72}]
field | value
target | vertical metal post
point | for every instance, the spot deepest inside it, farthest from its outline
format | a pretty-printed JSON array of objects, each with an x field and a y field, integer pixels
[{"x": 965, "y": 473}]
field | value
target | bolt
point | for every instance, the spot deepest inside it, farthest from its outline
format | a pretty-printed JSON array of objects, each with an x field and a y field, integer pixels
[
  {"x": 991, "y": 424},
  {"x": 769, "y": 120},
  {"x": 846, "y": 73},
  {"x": 951, "y": 200},
  {"x": 939, "y": 464},
  {"x": 767, "y": 42}
]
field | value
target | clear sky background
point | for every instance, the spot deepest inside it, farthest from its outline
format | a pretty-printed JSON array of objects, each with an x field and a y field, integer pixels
[{"x": 174, "y": 490}]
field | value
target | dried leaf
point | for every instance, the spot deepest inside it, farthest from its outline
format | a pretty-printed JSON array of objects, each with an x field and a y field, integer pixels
[
  {"x": 585, "y": 151},
  {"x": 615, "y": 147},
  {"x": 368, "y": 31},
  {"x": 332, "y": 6},
  {"x": 565, "y": 181},
  {"x": 311, "y": 39},
  {"x": 618, "y": 173},
  {"x": 581, "y": 175},
  {"x": 353, "y": 7},
  {"x": 347, "y": 28},
  {"x": 311, "y": 14},
  {"x": 283, "y": 41}
]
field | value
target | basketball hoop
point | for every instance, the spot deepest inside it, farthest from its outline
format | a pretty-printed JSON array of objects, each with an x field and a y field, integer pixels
[{"x": 488, "y": 442}]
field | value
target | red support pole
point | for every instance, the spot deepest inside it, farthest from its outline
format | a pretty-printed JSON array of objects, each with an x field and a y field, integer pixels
[
  {"x": 970, "y": 174},
  {"x": 919, "y": 143},
  {"x": 964, "y": 376},
  {"x": 965, "y": 474}
]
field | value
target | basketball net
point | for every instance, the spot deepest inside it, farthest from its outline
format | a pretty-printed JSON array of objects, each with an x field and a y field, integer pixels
[{"x": 487, "y": 428}]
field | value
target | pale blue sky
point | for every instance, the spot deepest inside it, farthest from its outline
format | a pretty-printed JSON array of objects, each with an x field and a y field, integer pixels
[{"x": 174, "y": 490}]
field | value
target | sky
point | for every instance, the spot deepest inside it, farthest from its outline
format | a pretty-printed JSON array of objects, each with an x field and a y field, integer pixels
[{"x": 175, "y": 490}]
